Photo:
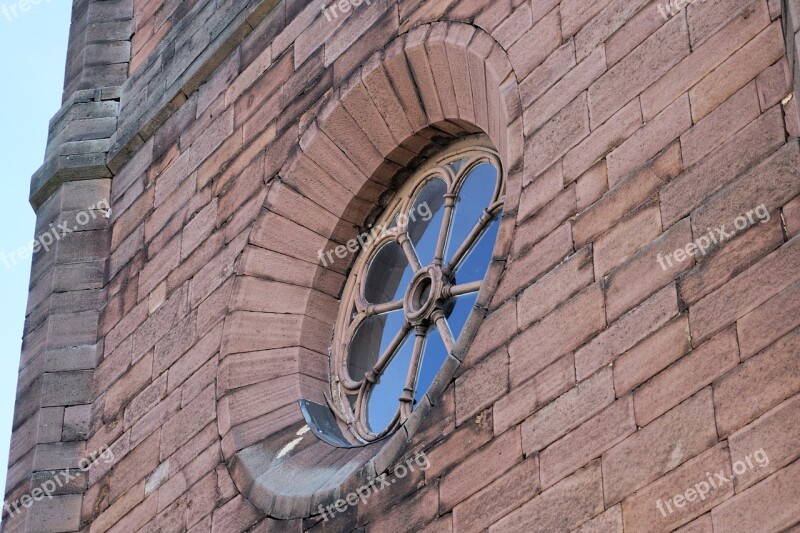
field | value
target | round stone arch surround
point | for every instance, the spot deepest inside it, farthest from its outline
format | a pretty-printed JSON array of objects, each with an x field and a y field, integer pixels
[{"x": 429, "y": 87}]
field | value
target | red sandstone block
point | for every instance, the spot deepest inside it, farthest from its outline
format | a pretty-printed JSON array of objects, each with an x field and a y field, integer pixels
[
  {"x": 649, "y": 140},
  {"x": 562, "y": 507},
  {"x": 193, "y": 359},
  {"x": 645, "y": 272},
  {"x": 602, "y": 140},
  {"x": 387, "y": 102},
  {"x": 413, "y": 513},
  {"x": 117, "y": 510},
  {"x": 513, "y": 26},
  {"x": 159, "y": 266},
  {"x": 791, "y": 217},
  {"x": 575, "y": 14},
  {"x": 700, "y": 525},
  {"x": 545, "y": 221},
  {"x": 145, "y": 401},
  {"x": 398, "y": 71},
  {"x": 774, "y": 84},
  {"x": 214, "y": 274},
  {"x": 134, "y": 467},
  {"x": 181, "y": 479},
  {"x": 758, "y": 384},
  {"x": 652, "y": 355},
  {"x": 565, "y": 130},
  {"x": 552, "y": 69},
  {"x": 772, "y": 183},
  {"x": 539, "y": 191},
  {"x": 691, "y": 373},
  {"x": 495, "y": 330},
  {"x": 675, "y": 499},
  {"x": 769, "y": 506},
  {"x": 626, "y": 332},
  {"x": 744, "y": 65},
  {"x": 626, "y": 238},
  {"x": 705, "y": 20},
  {"x": 592, "y": 185},
  {"x": 421, "y": 69},
  {"x": 567, "y": 412},
  {"x": 128, "y": 386},
  {"x": 612, "y": 18},
  {"x": 626, "y": 196},
  {"x": 132, "y": 218},
  {"x": 644, "y": 65},
  {"x": 667, "y": 442},
  {"x": 236, "y": 515},
  {"x": 636, "y": 29},
  {"x": 770, "y": 321},
  {"x": 356, "y": 100},
  {"x": 187, "y": 422},
  {"x": 535, "y": 44},
  {"x": 731, "y": 259},
  {"x": 56, "y": 513},
  {"x": 555, "y": 288},
  {"x": 557, "y": 334},
  {"x": 502, "y": 496},
  {"x": 481, "y": 385},
  {"x": 608, "y": 522},
  {"x": 587, "y": 442},
  {"x": 457, "y": 40},
  {"x": 746, "y": 291},
  {"x": 479, "y": 469},
  {"x": 710, "y": 133},
  {"x": 767, "y": 445},
  {"x": 538, "y": 391},
  {"x": 522, "y": 271},
  {"x": 458, "y": 444},
  {"x": 565, "y": 90}
]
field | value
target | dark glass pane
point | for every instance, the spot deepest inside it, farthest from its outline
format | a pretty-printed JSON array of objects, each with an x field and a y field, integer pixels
[
  {"x": 473, "y": 267},
  {"x": 388, "y": 275},
  {"x": 474, "y": 196},
  {"x": 370, "y": 340},
  {"x": 383, "y": 401},
  {"x": 432, "y": 360},
  {"x": 425, "y": 220},
  {"x": 460, "y": 312}
]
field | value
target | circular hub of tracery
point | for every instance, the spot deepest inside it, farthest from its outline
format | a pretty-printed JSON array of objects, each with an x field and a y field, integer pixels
[{"x": 413, "y": 288}]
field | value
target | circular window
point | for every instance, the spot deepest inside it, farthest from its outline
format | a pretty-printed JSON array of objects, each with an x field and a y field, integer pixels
[{"x": 413, "y": 288}]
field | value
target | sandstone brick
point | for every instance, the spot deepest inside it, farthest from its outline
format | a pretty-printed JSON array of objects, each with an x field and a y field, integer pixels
[
  {"x": 495, "y": 330},
  {"x": 637, "y": 28},
  {"x": 746, "y": 291},
  {"x": 552, "y": 69},
  {"x": 592, "y": 185},
  {"x": 545, "y": 221},
  {"x": 628, "y": 194},
  {"x": 564, "y": 91},
  {"x": 503, "y": 495},
  {"x": 538, "y": 391},
  {"x": 650, "y": 356},
  {"x": 744, "y": 65},
  {"x": 649, "y": 140},
  {"x": 641, "y": 510},
  {"x": 460, "y": 443},
  {"x": 700, "y": 525},
  {"x": 613, "y": 17},
  {"x": 567, "y": 412},
  {"x": 587, "y": 442},
  {"x": 626, "y": 332},
  {"x": 666, "y": 443},
  {"x": 539, "y": 191},
  {"x": 536, "y": 44},
  {"x": 191, "y": 419},
  {"x": 481, "y": 385},
  {"x": 565, "y": 130},
  {"x": 701, "y": 367},
  {"x": 724, "y": 263},
  {"x": 564, "y": 506},
  {"x": 237, "y": 514},
  {"x": 648, "y": 270},
  {"x": 770, "y": 321},
  {"x": 413, "y": 513},
  {"x": 481, "y": 468},
  {"x": 604, "y": 139},
  {"x": 128, "y": 386},
  {"x": 554, "y": 288},
  {"x": 791, "y": 216},
  {"x": 757, "y": 385},
  {"x": 522, "y": 271},
  {"x": 768, "y": 506},
  {"x": 644, "y": 65},
  {"x": 608, "y": 522},
  {"x": 710, "y": 133},
  {"x": 134, "y": 467},
  {"x": 57, "y": 513},
  {"x": 704, "y": 59},
  {"x": 772, "y": 182},
  {"x": 575, "y": 14},
  {"x": 626, "y": 238},
  {"x": 555, "y": 335},
  {"x": 705, "y": 20}
]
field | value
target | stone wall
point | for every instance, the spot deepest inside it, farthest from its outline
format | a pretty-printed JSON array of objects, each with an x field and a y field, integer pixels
[{"x": 233, "y": 139}]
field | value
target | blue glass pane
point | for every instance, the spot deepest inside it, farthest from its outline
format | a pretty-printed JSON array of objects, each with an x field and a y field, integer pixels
[
  {"x": 432, "y": 360},
  {"x": 370, "y": 340},
  {"x": 425, "y": 220},
  {"x": 474, "y": 196},
  {"x": 457, "y": 318},
  {"x": 383, "y": 401},
  {"x": 388, "y": 276},
  {"x": 473, "y": 267}
]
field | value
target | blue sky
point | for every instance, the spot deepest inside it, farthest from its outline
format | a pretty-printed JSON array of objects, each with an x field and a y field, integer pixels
[{"x": 33, "y": 49}]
